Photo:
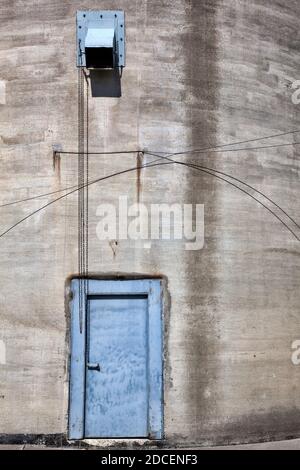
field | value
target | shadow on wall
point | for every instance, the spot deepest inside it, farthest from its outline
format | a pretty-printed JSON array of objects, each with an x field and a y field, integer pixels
[{"x": 105, "y": 83}]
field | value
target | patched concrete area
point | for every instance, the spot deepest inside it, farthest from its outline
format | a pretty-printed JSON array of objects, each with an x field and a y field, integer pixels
[{"x": 2, "y": 92}]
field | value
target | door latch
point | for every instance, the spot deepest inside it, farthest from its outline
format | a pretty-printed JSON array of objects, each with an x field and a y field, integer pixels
[{"x": 93, "y": 366}]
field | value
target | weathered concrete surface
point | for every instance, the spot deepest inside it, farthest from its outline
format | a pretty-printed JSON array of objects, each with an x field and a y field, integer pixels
[
  {"x": 199, "y": 73},
  {"x": 292, "y": 444}
]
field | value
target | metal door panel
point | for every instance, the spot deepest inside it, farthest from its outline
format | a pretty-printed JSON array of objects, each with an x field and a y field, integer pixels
[
  {"x": 116, "y": 402},
  {"x": 120, "y": 328}
]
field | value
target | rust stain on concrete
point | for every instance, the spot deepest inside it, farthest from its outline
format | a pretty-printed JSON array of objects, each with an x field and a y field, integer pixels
[
  {"x": 56, "y": 163},
  {"x": 139, "y": 163}
]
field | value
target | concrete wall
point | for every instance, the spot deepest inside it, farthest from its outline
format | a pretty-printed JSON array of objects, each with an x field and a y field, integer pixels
[{"x": 199, "y": 73}]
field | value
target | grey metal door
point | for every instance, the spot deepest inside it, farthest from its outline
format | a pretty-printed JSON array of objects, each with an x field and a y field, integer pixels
[
  {"x": 116, "y": 360},
  {"x": 116, "y": 402}
]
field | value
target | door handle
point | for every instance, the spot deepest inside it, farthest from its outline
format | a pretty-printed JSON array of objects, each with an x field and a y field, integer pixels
[{"x": 93, "y": 366}]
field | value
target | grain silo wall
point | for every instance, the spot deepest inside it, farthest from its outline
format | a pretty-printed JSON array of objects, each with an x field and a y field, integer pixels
[{"x": 198, "y": 74}]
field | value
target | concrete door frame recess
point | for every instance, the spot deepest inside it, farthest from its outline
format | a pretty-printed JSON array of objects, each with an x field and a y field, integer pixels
[{"x": 152, "y": 290}]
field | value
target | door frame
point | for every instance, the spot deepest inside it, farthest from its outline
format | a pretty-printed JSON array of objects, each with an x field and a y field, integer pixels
[{"x": 153, "y": 289}]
